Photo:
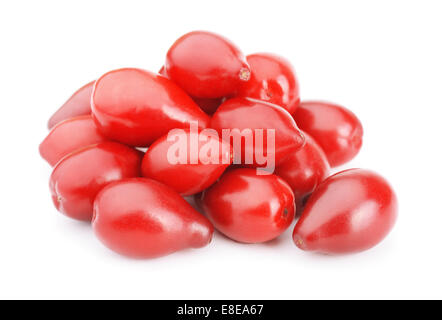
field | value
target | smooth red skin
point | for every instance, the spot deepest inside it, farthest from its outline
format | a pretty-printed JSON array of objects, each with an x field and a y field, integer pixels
[
  {"x": 336, "y": 129},
  {"x": 142, "y": 218},
  {"x": 247, "y": 207},
  {"x": 136, "y": 107},
  {"x": 245, "y": 113},
  {"x": 186, "y": 179},
  {"x": 208, "y": 105},
  {"x": 304, "y": 169},
  {"x": 273, "y": 79},
  {"x": 68, "y": 136},
  {"x": 206, "y": 65},
  {"x": 351, "y": 211},
  {"x": 79, "y": 104},
  {"x": 78, "y": 177}
]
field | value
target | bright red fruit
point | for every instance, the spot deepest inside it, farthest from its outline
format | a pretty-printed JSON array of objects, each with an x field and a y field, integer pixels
[
  {"x": 336, "y": 129},
  {"x": 248, "y": 207},
  {"x": 187, "y": 162},
  {"x": 351, "y": 211},
  {"x": 273, "y": 80},
  {"x": 78, "y": 104},
  {"x": 206, "y": 65},
  {"x": 304, "y": 169},
  {"x": 136, "y": 107},
  {"x": 78, "y": 177},
  {"x": 142, "y": 218},
  {"x": 256, "y": 122},
  {"x": 68, "y": 136}
]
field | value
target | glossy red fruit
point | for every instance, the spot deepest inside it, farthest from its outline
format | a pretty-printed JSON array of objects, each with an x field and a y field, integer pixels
[
  {"x": 246, "y": 118},
  {"x": 78, "y": 177},
  {"x": 78, "y": 104},
  {"x": 142, "y": 218},
  {"x": 136, "y": 107},
  {"x": 336, "y": 129},
  {"x": 186, "y": 161},
  {"x": 304, "y": 169},
  {"x": 68, "y": 136},
  {"x": 247, "y": 207},
  {"x": 273, "y": 80},
  {"x": 206, "y": 65},
  {"x": 351, "y": 211}
]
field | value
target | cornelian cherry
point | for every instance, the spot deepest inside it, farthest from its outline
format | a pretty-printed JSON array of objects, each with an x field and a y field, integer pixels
[{"x": 206, "y": 65}]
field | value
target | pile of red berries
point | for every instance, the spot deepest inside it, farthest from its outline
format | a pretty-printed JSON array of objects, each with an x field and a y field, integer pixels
[{"x": 226, "y": 129}]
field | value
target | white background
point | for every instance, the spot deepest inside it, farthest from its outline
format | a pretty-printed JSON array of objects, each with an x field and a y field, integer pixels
[{"x": 382, "y": 59}]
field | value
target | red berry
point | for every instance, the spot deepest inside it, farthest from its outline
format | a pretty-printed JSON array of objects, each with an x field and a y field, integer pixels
[
  {"x": 78, "y": 177},
  {"x": 248, "y": 207},
  {"x": 142, "y": 218},
  {"x": 351, "y": 211},
  {"x": 206, "y": 65},
  {"x": 184, "y": 168},
  {"x": 273, "y": 80},
  {"x": 245, "y": 118},
  {"x": 336, "y": 129},
  {"x": 136, "y": 107}
]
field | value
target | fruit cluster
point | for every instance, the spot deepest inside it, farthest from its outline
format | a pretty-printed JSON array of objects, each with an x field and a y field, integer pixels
[{"x": 229, "y": 131}]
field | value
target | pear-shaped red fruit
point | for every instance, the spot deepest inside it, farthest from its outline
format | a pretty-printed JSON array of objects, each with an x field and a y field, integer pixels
[
  {"x": 262, "y": 134},
  {"x": 206, "y": 65},
  {"x": 248, "y": 205},
  {"x": 136, "y": 107},
  {"x": 187, "y": 161},
  {"x": 351, "y": 211},
  {"x": 78, "y": 177},
  {"x": 142, "y": 218},
  {"x": 273, "y": 80},
  {"x": 336, "y": 129}
]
